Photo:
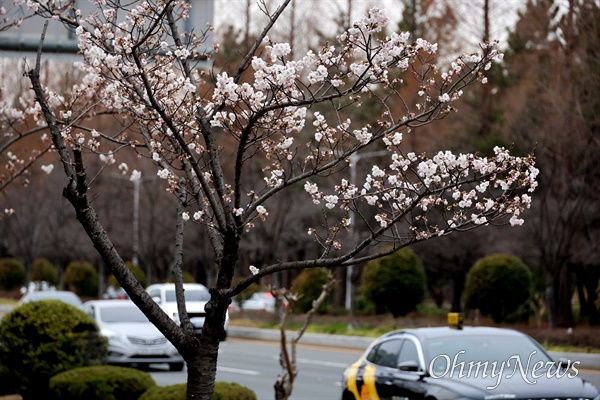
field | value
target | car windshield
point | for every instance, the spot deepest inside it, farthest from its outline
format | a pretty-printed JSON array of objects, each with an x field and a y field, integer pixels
[
  {"x": 190, "y": 295},
  {"x": 478, "y": 348},
  {"x": 122, "y": 314}
]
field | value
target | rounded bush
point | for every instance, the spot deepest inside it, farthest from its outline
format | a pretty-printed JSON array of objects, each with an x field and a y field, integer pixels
[
  {"x": 100, "y": 383},
  {"x": 395, "y": 283},
  {"x": 136, "y": 270},
  {"x": 170, "y": 392},
  {"x": 232, "y": 391},
  {"x": 12, "y": 273},
  {"x": 82, "y": 278},
  {"x": 6, "y": 383},
  {"x": 42, "y": 338},
  {"x": 223, "y": 391},
  {"x": 42, "y": 270},
  {"x": 187, "y": 277},
  {"x": 309, "y": 283},
  {"x": 497, "y": 285}
]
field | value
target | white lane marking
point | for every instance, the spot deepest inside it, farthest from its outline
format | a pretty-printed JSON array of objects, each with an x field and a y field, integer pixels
[
  {"x": 238, "y": 371},
  {"x": 321, "y": 363}
]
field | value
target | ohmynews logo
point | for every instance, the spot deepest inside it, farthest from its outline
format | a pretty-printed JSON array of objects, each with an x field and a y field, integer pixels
[{"x": 529, "y": 372}]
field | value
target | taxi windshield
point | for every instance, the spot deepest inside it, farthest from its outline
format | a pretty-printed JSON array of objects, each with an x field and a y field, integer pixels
[{"x": 479, "y": 348}]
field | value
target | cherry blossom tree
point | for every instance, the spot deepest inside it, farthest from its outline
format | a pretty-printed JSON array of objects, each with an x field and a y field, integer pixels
[{"x": 206, "y": 135}]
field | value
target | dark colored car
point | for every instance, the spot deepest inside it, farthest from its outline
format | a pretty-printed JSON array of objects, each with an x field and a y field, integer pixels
[{"x": 475, "y": 363}]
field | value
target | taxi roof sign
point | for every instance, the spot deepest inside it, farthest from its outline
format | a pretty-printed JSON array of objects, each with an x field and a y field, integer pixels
[{"x": 456, "y": 320}]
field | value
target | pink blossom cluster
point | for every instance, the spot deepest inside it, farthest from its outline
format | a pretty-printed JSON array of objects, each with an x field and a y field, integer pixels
[
  {"x": 136, "y": 65},
  {"x": 466, "y": 189}
]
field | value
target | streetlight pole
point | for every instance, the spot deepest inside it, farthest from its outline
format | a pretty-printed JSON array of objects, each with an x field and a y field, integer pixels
[
  {"x": 136, "y": 213},
  {"x": 136, "y": 220},
  {"x": 354, "y": 159}
]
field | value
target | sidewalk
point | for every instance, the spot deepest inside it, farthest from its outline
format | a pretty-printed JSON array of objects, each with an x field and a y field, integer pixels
[{"x": 586, "y": 360}]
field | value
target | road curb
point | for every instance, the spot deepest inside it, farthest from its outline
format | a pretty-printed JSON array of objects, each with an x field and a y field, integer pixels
[
  {"x": 585, "y": 360},
  {"x": 343, "y": 341}
]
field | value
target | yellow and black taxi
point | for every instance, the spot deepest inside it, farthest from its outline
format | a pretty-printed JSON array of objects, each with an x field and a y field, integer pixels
[{"x": 458, "y": 363}]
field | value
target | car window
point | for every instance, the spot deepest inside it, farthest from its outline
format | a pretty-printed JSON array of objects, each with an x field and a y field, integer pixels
[
  {"x": 372, "y": 356},
  {"x": 154, "y": 293},
  {"x": 386, "y": 354},
  {"x": 190, "y": 295},
  {"x": 122, "y": 314},
  {"x": 409, "y": 353}
]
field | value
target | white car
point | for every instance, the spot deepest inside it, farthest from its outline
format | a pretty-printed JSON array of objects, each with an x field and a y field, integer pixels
[
  {"x": 196, "y": 297},
  {"x": 132, "y": 339},
  {"x": 263, "y": 301},
  {"x": 62, "y": 295}
]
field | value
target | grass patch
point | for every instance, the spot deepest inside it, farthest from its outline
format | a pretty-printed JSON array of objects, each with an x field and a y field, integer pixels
[
  {"x": 8, "y": 302},
  {"x": 571, "y": 349},
  {"x": 336, "y": 328},
  {"x": 551, "y": 340}
]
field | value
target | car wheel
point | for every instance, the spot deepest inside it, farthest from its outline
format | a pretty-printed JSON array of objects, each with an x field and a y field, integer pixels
[{"x": 178, "y": 366}]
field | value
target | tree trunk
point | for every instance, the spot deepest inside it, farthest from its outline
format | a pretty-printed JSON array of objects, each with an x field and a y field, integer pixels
[
  {"x": 202, "y": 369},
  {"x": 550, "y": 299},
  {"x": 437, "y": 294},
  {"x": 486, "y": 101},
  {"x": 591, "y": 278},
  {"x": 579, "y": 271},
  {"x": 202, "y": 360},
  {"x": 564, "y": 312},
  {"x": 339, "y": 296},
  {"x": 458, "y": 286}
]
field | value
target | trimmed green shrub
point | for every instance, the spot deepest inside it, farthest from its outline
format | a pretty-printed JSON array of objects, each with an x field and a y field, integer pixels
[
  {"x": 136, "y": 270},
  {"x": 309, "y": 283},
  {"x": 43, "y": 270},
  {"x": 187, "y": 277},
  {"x": 497, "y": 285},
  {"x": 170, "y": 392},
  {"x": 42, "y": 338},
  {"x": 598, "y": 294},
  {"x": 12, "y": 273},
  {"x": 100, "y": 383},
  {"x": 395, "y": 283},
  {"x": 6, "y": 384},
  {"x": 223, "y": 391},
  {"x": 82, "y": 278},
  {"x": 232, "y": 391}
]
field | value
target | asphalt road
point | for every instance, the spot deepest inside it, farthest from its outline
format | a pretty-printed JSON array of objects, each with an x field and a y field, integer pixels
[{"x": 254, "y": 364}]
